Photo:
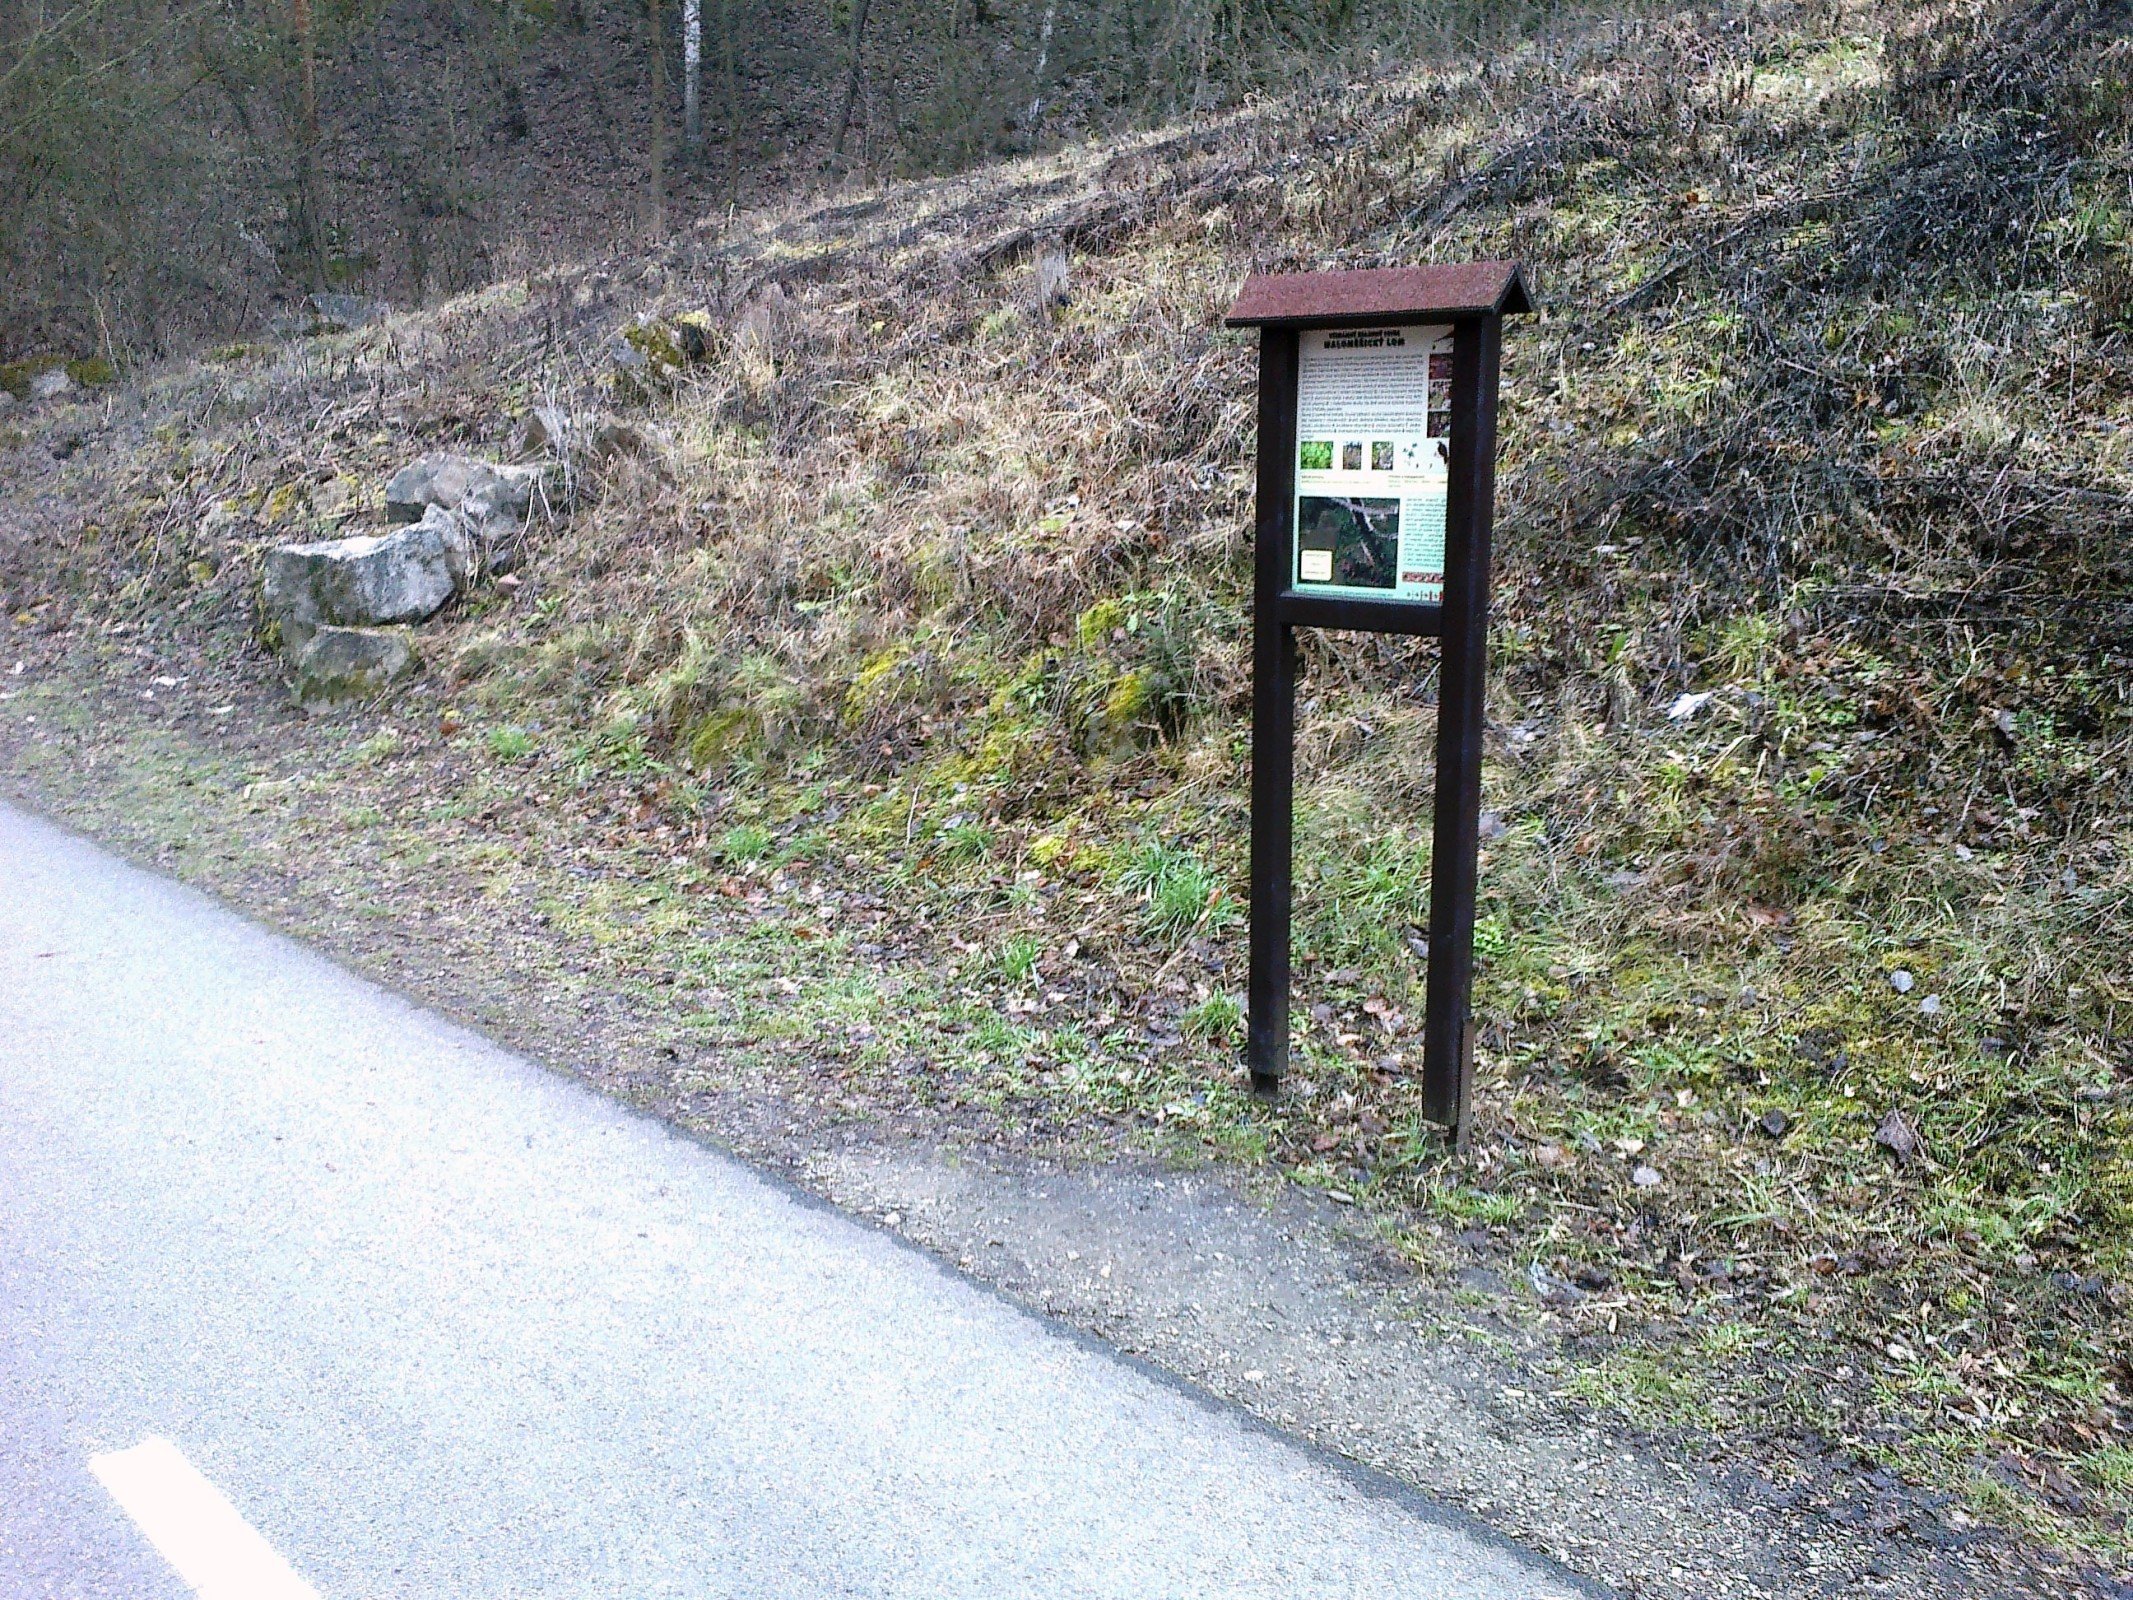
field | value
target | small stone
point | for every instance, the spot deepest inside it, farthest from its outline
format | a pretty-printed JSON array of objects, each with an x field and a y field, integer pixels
[
  {"x": 1901, "y": 980},
  {"x": 1930, "y": 1006},
  {"x": 1550, "y": 1155},
  {"x": 53, "y": 385},
  {"x": 1646, "y": 1178},
  {"x": 1774, "y": 1123},
  {"x": 1551, "y": 1289},
  {"x": 1687, "y": 705}
]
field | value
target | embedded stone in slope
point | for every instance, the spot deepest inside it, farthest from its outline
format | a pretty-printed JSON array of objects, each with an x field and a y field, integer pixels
[
  {"x": 402, "y": 576},
  {"x": 336, "y": 665}
]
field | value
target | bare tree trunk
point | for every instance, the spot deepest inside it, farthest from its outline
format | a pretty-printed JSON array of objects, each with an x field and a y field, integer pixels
[
  {"x": 311, "y": 221},
  {"x": 1044, "y": 52},
  {"x": 851, "y": 82},
  {"x": 733, "y": 102},
  {"x": 659, "y": 120},
  {"x": 692, "y": 61}
]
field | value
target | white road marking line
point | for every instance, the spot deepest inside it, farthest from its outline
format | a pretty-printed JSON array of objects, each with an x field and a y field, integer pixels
[{"x": 197, "y": 1530}]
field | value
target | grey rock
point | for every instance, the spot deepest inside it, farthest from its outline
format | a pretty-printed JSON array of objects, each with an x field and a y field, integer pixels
[
  {"x": 402, "y": 576},
  {"x": 53, "y": 385},
  {"x": 496, "y": 501},
  {"x": 337, "y": 665},
  {"x": 1552, "y": 1290}
]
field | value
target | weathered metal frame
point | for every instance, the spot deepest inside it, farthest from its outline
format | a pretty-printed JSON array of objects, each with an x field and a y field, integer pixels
[{"x": 1473, "y": 299}]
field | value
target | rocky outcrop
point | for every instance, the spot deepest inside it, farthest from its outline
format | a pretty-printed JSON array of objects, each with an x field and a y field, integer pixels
[
  {"x": 496, "y": 501},
  {"x": 336, "y": 665},
  {"x": 335, "y": 602},
  {"x": 403, "y": 576}
]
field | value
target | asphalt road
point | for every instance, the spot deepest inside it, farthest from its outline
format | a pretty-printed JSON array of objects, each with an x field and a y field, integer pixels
[{"x": 434, "y": 1322}]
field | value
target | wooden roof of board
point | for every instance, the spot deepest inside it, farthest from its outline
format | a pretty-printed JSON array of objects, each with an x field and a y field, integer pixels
[{"x": 1380, "y": 294}]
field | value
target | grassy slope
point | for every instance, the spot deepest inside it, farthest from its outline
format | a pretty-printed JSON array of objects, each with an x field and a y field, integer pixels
[{"x": 925, "y": 622}]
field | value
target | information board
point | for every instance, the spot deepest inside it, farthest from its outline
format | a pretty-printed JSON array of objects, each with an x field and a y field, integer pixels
[
  {"x": 1375, "y": 511},
  {"x": 1373, "y": 457}
]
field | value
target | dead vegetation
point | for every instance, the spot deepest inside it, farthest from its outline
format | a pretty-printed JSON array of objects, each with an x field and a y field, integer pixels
[{"x": 1805, "y": 1107}]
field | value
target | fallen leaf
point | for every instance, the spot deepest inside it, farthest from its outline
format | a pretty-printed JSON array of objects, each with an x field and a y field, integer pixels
[{"x": 1898, "y": 1136}]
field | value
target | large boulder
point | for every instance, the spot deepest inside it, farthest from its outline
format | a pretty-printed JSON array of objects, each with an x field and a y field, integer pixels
[
  {"x": 496, "y": 501},
  {"x": 337, "y": 665},
  {"x": 403, "y": 576}
]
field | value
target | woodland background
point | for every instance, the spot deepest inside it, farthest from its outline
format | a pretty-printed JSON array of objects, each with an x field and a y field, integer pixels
[{"x": 172, "y": 170}]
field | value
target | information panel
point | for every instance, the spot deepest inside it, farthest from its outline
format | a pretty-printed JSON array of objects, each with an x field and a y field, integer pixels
[{"x": 1373, "y": 436}]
